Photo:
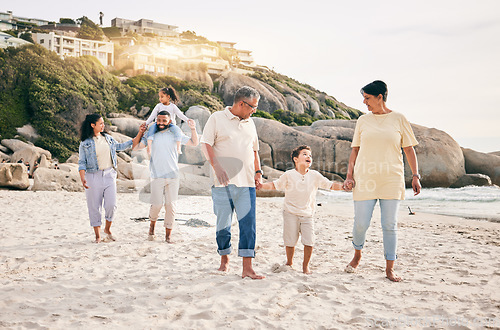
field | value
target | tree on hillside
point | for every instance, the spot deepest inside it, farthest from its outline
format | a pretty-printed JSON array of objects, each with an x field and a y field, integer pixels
[
  {"x": 89, "y": 30},
  {"x": 66, "y": 21},
  {"x": 112, "y": 32}
]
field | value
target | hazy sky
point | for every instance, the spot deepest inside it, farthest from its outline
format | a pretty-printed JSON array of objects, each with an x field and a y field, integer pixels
[{"x": 440, "y": 59}]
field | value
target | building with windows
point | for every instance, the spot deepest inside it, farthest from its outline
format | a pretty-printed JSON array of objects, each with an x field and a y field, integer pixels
[
  {"x": 20, "y": 22},
  {"x": 170, "y": 58},
  {"x": 75, "y": 47},
  {"x": 238, "y": 56},
  {"x": 144, "y": 26},
  {"x": 6, "y": 40}
]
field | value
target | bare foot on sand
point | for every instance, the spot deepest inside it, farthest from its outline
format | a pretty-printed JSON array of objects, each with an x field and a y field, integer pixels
[
  {"x": 351, "y": 267},
  {"x": 389, "y": 273},
  {"x": 224, "y": 264},
  {"x": 306, "y": 270},
  {"x": 251, "y": 273}
]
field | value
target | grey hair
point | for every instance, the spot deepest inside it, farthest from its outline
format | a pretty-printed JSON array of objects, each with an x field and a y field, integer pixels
[{"x": 246, "y": 93}]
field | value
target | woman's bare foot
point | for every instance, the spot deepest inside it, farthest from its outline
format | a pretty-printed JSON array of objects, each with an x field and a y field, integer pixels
[
  {"x": 355, "y": 261},
  {"x": 224, "y": 263},
  {"x": 389, "y": 273},
  {"x": 97, "y": 240},
  {"x": 306, "y": 270}
]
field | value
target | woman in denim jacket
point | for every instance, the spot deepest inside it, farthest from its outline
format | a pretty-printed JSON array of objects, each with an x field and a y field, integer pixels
[{"x": 97, "y": 167}]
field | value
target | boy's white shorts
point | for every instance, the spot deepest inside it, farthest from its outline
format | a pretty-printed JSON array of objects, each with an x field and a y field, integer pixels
[{"x": 293, "y": 225}]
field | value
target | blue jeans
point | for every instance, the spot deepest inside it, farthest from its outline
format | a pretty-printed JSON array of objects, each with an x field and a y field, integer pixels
[
  {"x": 226, "y": 200},
  {"x": 363, "y": 211}
]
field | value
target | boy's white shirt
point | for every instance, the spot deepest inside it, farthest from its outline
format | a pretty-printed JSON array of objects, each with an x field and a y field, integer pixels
[{"x": 300, "y": 190}]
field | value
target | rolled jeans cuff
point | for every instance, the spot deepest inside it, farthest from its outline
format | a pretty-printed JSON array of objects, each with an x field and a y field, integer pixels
[
  {"x": 246, "y": 253},
  {"x": 225, "y": 251},
  {"x": 357, "y": 247},
  {"x": 391, "y": 256}
]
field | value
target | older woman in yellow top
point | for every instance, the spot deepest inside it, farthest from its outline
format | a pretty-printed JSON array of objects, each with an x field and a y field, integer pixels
[{"x": 376, "y": 172}]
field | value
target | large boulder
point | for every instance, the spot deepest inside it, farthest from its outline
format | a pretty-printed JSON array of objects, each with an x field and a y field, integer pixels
[
  {"x": 28, "y": 152},
  {"x": 330, "y": 156},
  {"x": 54, "y": 180},
  {"x": 483, "y": 163},
  {"x": 127, "y": 125},
  {"x": 440, "y": 158},
  {"x": 199, "y": 114},
  {"x": 14, "y": 176},
  {"x": 191, "y": 184},
  {"x": 270, "y": 98},
  {"x": 28, "y": 132},
  {"x": 73, "y": 159},
  {"x": 192, "y": 155},
  {"x": 472, "y": 180},
  {"x": 265, "y": 154},
  {"x": 132, "y": 171},
  {"x": 294, "y": 104},
  {"x": 4, "y": 156}
]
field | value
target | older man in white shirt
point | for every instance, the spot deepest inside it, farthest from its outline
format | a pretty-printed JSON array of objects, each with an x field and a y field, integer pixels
[{"x": 231, "y": 145}]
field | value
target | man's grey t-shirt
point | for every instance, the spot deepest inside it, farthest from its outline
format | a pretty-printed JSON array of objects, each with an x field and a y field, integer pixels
[{"x": 164, "y": 157}]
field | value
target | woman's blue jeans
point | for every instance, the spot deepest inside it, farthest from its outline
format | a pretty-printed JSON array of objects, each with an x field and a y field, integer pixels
[{"x": 363, "y": 211}]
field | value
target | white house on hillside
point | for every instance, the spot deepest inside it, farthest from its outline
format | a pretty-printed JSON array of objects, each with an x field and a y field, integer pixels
[
  {"x": 17, "y": 20},
  {"x": 143, "y": 26},
  {"x": 75, "y": 47},
  {"x": 6, "y": 40}
]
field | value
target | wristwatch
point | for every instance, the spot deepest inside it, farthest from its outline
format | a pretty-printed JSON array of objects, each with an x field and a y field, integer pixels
[
  {"x": 417, "y": 176},
  {"x": 259, "y": 171}
]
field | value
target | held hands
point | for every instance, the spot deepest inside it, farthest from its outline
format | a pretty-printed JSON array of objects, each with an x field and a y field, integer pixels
[
  {"x": 192, "y": 124},
  {"x": 143, "y": 128},
  {"x": 258, "y": 181},
  {"x": 349, "y": 183}
]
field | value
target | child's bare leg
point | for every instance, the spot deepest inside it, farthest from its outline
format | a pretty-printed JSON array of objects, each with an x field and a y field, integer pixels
[
  {"x": 97, "y": 232},
  {"x": 168, "y": 232},
  {"x": 152, "y": 227},
  {"x": 307, "y": 257},
  {"x": 290, "y": 250}
]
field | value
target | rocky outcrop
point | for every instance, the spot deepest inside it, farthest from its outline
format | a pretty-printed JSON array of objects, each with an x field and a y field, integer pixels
[
  {"x": 28, "y": 152},
  {"x": 440, "y": 158},
  {"x": 4, "y": 156},
  {"x": 330, "y": 156},
  {"x": 14, "y": 176},
  {"x": 132, "y": 171},
  {"x": 192, "y": 155},
  {"x": 66, "y": 178},
  {"x": 127, "y": 125},
  {"x": 191, "y": 184},
  {"x": 270, "y": 98},
  {"x": 199, "y": 114},
  {"x": 483, "y": 163},
  {"x": 28, "y": 132},
  {"x": 472, "y": 180}
]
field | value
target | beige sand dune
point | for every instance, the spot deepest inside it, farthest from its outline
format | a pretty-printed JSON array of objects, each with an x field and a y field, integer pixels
[{"x": 52, "y": 276}]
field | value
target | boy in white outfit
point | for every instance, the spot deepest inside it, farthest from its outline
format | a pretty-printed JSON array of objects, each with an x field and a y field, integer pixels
[{"x": 300, "y": 186}]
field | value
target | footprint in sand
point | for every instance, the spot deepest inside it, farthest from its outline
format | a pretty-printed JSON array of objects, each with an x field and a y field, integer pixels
[{"x": 277, "y": 268}]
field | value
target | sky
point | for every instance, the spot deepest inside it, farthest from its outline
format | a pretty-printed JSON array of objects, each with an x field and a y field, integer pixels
[{"x": 440, "y": 58}]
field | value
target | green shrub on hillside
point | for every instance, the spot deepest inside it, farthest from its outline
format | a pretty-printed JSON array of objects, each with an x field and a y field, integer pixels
[{"x": 54, "y": 95}]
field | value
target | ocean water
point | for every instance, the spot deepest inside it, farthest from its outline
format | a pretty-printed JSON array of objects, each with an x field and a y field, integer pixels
[{"x": 481, "y": 203}]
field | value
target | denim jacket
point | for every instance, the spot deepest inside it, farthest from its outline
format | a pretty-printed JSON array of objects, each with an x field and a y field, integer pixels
[{"x": 88, "y": 156}]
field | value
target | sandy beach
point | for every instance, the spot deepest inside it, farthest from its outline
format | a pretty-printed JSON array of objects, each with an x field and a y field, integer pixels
[{"x": 52, "y": 276}]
